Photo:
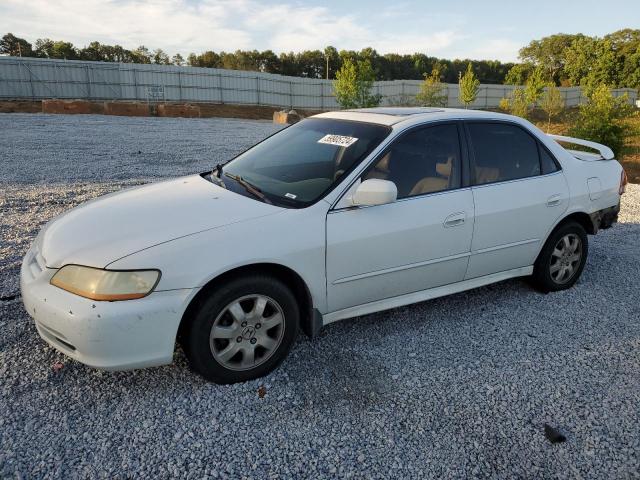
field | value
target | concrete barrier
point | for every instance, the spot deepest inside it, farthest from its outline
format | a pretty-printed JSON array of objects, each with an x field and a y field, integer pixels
[
  {"x": 252, "y": 112},
  {"x": 24, "y": 106},
  {"x": 284, "y": 117},
  {"x": 143, "y": 109},
  {"x": 72, "y": 107},
  {"x": 127, "y": 109},
  {"x": 184, "y": 110}
]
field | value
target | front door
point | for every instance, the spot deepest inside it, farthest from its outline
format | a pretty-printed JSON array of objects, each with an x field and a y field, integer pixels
[{"x": 420, "y": 241}]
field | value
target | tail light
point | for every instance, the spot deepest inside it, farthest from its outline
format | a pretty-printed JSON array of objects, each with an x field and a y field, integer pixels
[{"x": 623, "y": 182}]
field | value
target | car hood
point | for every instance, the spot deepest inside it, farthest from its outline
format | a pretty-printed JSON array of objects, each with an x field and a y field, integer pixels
[{"x": 103, "y": 230}]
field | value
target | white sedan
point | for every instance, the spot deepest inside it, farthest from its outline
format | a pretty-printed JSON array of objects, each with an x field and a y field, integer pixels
[{"x": 340, "y": 215}]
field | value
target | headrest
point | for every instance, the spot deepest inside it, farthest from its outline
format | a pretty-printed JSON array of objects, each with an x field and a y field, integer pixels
[
  {"x": 487, "y": 174},
  {"x": 444, "y": 169}
]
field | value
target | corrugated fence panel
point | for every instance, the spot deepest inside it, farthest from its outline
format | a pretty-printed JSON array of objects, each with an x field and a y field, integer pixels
[
  {"x": 104, "y": 82},
  {"x": 14, "y": 81},
  {"x": 35, "y": 78},
  {"x": 72, "y": 80}
]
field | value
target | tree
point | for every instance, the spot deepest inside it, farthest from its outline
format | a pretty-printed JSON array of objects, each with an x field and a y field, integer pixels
[
  {"x": 116, "y": 53},
  {"x": 469, "y": 86},
  {"x": 160, "y": 57},
  {"x": 15, "y": 46},
  {"x": 626, "y": 44},
  {"x": 552, "y": 103},
  {"x": 534, "y": 87},
  {"x": 518, "y": 74},
  {"x": 548, "y": 53},
  {"x": 354, "y": 83},
  {"x": 433, "y": 93},
  {"x": 591, "y": 62},
  {"x": 332, "y": 60},
  {"x": 345, "y": 85},
  {"x": 587, "y": 61},
  {"x": 178, "y": 60},
  {"x": 602, "y": 119},
  {"x": 207, "y": 59},
  {"x": 269, "y": 62},
  {"x": 46, "y": 48},
  {"x": 93, "y": 52},
  {"x": 517, "y": 103},
  {"x": 141, "y": 55}
]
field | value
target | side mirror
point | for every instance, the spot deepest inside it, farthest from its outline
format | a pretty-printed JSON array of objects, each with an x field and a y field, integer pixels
[{"x": 375, "y": 192}]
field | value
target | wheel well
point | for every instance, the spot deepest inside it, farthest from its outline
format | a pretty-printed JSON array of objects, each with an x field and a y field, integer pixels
[
  {"x": 284, "y": 274},
  {"x": 583, "y": 219}
]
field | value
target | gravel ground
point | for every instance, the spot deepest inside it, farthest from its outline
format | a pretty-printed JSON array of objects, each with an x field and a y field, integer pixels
[{"x": 456, "y": 387}]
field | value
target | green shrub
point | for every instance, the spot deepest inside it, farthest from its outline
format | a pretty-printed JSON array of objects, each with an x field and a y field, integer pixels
[
  {"x": 433, "y": 93},
  {"x": 534, "y": 88},
  {"x": 469, "y": 86},
  {"x": 601, "y": 119},
  {"x": 552, "y": 103},
  {"x": 517, "y": 103},
  {"x": 353, "y": 85}
]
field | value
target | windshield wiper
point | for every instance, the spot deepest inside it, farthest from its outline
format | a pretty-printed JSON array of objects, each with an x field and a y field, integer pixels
[{"x": 252, "y": 189}]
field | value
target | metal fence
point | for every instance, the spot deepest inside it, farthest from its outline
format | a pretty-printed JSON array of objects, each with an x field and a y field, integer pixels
[{"x": 34, "y": 78}]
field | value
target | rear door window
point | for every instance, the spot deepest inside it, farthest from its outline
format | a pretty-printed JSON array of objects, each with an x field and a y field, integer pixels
[
  {"x": 502, "y": 152},
  {"x": 549, "y": 165}
]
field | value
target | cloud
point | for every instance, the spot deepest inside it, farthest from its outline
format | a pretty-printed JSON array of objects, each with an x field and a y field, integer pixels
[
  {"x": 174, "y": 25},
  {"x": 496, "y": 49},
  {"x": 197, "y": 25},
  {"x": 287, "y": 27},
  {"x": 433, "y": 44}
]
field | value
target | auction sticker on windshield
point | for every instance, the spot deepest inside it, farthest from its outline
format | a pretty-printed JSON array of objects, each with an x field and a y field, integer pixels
[{"x": 338, "y": 140}]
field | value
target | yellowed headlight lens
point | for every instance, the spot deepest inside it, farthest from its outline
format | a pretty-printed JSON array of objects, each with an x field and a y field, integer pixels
[{"x": 105, "y": 285}]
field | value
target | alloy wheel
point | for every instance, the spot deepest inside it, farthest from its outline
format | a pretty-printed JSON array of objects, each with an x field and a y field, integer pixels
[
  {"x": 565, "y": 258},
  {"x": 247, "y": 332}
]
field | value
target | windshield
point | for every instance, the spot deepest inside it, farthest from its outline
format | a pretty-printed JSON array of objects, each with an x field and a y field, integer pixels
[{"x": 298, "y": 165}]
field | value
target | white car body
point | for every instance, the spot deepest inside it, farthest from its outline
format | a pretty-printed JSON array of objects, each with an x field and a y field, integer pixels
[{"x": 194, "y": 231}]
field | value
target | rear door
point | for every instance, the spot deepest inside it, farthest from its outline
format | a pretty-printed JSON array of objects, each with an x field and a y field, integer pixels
[
  {"x": 420, "y": 241},
  {"x": 519, "y": 193}
]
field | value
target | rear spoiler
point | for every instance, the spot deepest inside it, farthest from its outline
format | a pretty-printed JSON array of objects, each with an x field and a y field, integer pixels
[{"x": 605, "y": 152}]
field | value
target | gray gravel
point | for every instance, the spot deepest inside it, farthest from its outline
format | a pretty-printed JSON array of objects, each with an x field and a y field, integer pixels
[{"x": 456, "y": 387}]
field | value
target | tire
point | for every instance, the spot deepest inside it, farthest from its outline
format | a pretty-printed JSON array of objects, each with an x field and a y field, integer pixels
[
  {"x": 562, "y": 258},
  {"x": 256, "y": 320}
]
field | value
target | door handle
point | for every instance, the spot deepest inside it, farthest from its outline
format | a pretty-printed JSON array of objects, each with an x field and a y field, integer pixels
[
  {"x": 554, "y": 200},
  {"x": 455, "y": 219}
]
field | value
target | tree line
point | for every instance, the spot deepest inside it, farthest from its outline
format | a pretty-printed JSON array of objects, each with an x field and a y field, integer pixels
[
  {"x": 581, "y": 60},
  {"x": 563, "y": 59},
  {"x": 308, "y": 63}
]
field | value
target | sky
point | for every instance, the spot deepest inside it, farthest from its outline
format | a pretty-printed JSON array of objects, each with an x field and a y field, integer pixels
[{"x": 487, "y": 29}]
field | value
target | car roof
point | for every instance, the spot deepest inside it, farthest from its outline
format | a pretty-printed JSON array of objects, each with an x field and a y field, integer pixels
[{"x": 397, "y": 115}]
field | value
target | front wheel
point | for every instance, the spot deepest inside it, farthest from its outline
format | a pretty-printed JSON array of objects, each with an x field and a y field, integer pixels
[
  {"x": 242, "y": 330},
  {"x": 562, "y": 258}
]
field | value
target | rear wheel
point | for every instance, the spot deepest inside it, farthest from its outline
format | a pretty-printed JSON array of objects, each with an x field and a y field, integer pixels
[
  {"x": 562, "y": 258},
  {"x": 243, "y": 330}
]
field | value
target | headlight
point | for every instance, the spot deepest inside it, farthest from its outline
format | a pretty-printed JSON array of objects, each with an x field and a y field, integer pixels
[{"x": 106, "y": 285}]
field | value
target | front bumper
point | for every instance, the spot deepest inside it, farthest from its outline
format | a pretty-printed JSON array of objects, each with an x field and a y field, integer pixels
[{"x": 107, "y": 335}]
